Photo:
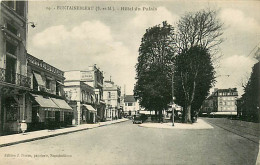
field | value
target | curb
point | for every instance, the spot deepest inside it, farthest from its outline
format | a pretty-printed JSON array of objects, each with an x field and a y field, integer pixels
[{"x": 53, "y": 135}]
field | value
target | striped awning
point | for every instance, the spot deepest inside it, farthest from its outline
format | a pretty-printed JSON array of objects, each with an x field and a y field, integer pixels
[
  {"x": 61, "y": 104},
  {"x": 48, "y": 103},
  {"x": 90, "y": 108},
  {"x": 44, "y": 102}
]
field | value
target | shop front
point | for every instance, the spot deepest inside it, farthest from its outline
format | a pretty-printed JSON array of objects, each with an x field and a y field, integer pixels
[
  {"x": 90, "y": 113},
  {"x": 66, "y": 112},
  {"x": 50, "y": 113},
  {"x": 13, "y": 104}
]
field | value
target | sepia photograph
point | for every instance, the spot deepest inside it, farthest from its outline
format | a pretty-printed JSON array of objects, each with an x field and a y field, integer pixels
[{"x": 153, "y": 82}]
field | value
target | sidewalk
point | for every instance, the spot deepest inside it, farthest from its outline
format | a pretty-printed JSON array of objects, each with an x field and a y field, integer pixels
[
  {"x": 42, "y": 134},
  {"x": 200, "y": 124}
]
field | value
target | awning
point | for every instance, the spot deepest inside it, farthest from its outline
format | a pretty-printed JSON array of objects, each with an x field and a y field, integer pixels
[
  {"x": 233, "y": 113},
  {"x": 61, "y": 104},
  {"x": 60, "y": 83},
  {"x": 89, "y": 107},
  {"x": 44, "y": 102},
  {"x": 38, "y": 79}
]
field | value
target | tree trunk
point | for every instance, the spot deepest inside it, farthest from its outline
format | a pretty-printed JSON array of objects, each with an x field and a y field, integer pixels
[
  {"x": 156, "y": 115},
  {"x": 160, "y": 116},
  {"x": 187, "y": 118}
]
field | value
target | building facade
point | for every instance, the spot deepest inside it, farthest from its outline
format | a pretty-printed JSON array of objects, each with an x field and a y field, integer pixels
[
  {"x": 207, "y": 106},
  {"x": 131, "y": 106},
  {"x": 94, "y": 78},
  {"x": 83, "y": 88},
  {"x": 111, "y": 95},
  {"x": 48, "y": 108},
  {"x": 14, "y": 82},
  {"x": 221, "y": 102},
  {"x": 82, "y": 98}
]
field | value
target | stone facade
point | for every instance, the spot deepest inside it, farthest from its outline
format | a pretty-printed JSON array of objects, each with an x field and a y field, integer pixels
[{"x": 14, "y": 83}]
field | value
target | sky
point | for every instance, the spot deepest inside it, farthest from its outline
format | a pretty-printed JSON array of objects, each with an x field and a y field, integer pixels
[{"x": 73, "y": 39}]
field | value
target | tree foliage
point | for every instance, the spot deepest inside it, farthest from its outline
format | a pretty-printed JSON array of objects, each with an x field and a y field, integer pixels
[
  {"x": 251, "y": 96},
  {"x": 193, "y": 77},
  {"x": 153, "y": 86},
  {"x": 201, "y": 28}
]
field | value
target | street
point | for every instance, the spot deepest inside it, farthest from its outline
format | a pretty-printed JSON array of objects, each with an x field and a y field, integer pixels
[{"x": 127, "y": 143}]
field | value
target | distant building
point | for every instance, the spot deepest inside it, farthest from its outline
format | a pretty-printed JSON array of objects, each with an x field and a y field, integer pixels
[
  {"x": 81, "y": 96},
  {"x": 94, "y": 77},
  {"x": 131, "y": 105},
  {"x": 89, "y": 85},
  {"x": 111, "y": 95},
  {"x": 14, "y": 83},
  {"x": 207, "y": 106},
  {"x": 221, "y": 102}
]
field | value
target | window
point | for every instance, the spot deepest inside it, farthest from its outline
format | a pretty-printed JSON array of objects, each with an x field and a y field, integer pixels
[
  {"x": 109, "y": 94},
  {"x": 35, "y": 84},
  {"x": 11, "y": 48},
  {"x": 58, "y": 86},
  {"x": 96, "y": 97},
  {"x": 11, "y": 4},
  {"x": 48, "y": 83},
  {"x": 12, "y": 29},
  {"x": 130, "y": 104},
  {"x": 125, "y": 104},
  {"x": 50, "y": 114},
  {"x": 12, "y": 110},
  {"x": 18, "y": 6}
]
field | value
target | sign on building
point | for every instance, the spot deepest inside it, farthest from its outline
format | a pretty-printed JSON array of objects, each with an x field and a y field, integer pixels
[{"x": 86, "y": 76}]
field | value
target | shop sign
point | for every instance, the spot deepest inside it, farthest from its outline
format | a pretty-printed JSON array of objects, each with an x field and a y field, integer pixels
[
  {"x": 86, "y": 76},
  {"x": 113, "y": 96}
]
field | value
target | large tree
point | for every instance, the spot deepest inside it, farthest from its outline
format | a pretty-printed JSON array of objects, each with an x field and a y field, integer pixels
[
  {"x": 153, "y": 86},
  {"x": 193, "y": 77},
  {"x": 251, "y": 96},
  {"x": 198, "y": 36}
]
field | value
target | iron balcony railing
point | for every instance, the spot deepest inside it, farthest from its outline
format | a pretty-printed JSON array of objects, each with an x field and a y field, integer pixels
[{"x": 14, "y": 78}]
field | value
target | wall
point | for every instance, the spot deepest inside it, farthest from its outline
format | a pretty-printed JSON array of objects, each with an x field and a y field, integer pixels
[{"x": 72, "y": 75}]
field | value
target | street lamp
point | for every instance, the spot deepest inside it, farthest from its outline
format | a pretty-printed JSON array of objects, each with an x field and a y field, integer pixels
[
  {"x": 173, "y": 98},
  {"x": 173, "y": 106}
]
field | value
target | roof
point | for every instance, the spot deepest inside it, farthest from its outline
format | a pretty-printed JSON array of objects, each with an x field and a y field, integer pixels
[
  {"x": 232, "y": 91},
  {"x": 129, "y": 98}
]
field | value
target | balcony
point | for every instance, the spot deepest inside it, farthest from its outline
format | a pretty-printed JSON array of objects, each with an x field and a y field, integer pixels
[
  {"x": 39, "y": 63},
  {"x": 15, "y": 78}
]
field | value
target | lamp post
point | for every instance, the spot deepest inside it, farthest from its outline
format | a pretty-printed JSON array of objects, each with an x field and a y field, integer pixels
[
  {"x": 173, "y": 98},
  {"x": 173, "y": 106}
]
